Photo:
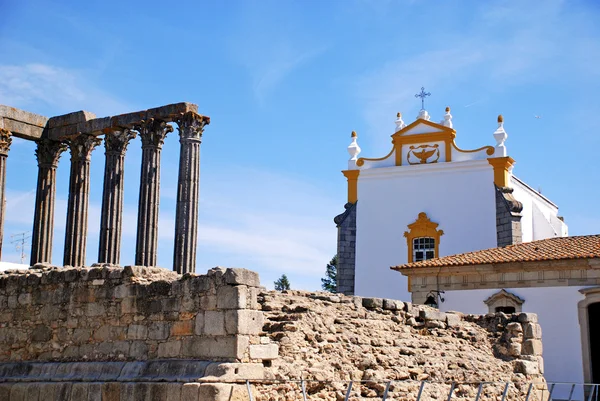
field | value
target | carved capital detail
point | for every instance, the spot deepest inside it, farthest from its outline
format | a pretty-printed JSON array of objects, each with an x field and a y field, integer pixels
[
  {"x": 48, "y": 152},
  {"x": 153, "y": 132},
  {"x": 5, "y": 141},
  {"x": 116, "y": 141},
  {"x": 191, "y": 125},
  {"x": 82, "y": 145}
]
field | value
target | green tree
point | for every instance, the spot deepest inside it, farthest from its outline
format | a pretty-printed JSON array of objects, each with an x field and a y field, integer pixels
[
  {"x": 282, "y": 283},
  {"x": 329, "y": 283}
]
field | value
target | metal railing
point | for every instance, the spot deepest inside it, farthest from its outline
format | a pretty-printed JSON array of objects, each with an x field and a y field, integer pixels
[{"x": 548, "y": 390}]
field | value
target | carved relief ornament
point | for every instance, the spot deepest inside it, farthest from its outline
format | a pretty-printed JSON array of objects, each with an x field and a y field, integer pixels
[
  {"x": 116, "y": 140},
  {"x": 82, "y": 145},
  {"x": 5, "y": 141},
  {"x": 48, "y": 152},
  {"x": 191, "y": 125},
  {"x": 153, "y": 132}
]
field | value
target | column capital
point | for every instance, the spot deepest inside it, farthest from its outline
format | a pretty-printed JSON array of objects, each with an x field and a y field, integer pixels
[
  {"x": 81, "y": 146},
  {"x": 153, "y": 132},
  {"x": 48, "y": 152},
  {"x": 5, "y": 141},
  {"x": 191, "y": 125},
  {"x": 116, "y": 140}
]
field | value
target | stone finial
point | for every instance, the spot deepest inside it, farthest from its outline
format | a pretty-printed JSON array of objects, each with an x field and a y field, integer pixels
[
  {"x": 5, "y": 141},
  {"x": 399, "y": 122},
  {"x": 447, "y": 121},
  {"x": 353, "y": 151},
  {"x": 500, "y": 136},
  {"x": 423, "y": 115}
]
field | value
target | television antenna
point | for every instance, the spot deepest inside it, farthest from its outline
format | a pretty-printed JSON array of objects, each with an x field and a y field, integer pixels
[{"x": 21, "y": 241}]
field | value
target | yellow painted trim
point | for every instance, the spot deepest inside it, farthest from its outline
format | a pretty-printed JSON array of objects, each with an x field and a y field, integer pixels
[
  {"x": 501, "y": 167},
  {"x": 423, "y": 227},
  {"x": 447, "y": 136},
  {"x": 417, "y": 122},
  {"x": 489, "y": 150},
  {"x": 352, "y": 176},
  {"x": 361, "y": 160}
]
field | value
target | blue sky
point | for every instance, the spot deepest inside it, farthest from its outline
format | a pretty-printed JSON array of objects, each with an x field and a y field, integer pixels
[{"x": 285, "y": 82}]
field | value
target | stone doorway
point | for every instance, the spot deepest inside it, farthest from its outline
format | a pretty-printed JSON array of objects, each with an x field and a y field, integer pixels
[
  {"x": 589, "y": 323},
  {"x": 593, "y": 311}
]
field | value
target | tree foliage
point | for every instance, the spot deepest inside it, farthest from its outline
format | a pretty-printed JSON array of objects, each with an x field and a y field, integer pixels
[
  {"x": 329, "y": 282},
  {"x": 282, "y": 283}
]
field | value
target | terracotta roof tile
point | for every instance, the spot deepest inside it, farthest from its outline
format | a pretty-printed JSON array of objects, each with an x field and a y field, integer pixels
[{"x": 585, "y": 246}]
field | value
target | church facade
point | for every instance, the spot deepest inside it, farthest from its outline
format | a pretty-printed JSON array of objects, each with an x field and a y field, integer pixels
[{"x": 429, "y": 198}]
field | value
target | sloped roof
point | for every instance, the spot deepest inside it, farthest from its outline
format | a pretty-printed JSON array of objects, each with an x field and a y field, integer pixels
[{"x": 560, "y": 248}]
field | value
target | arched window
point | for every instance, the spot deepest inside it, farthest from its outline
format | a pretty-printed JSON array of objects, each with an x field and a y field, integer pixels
[
  {"x": 505, "y": 302},
  {"x": 423, "y": 239}
]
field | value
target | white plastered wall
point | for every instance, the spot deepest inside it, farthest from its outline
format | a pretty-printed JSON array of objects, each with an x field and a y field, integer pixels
[
  {"x": 540, "y": 216},
  {"x": 557, "y": 312},
  {"x": 459, "y": 196}
]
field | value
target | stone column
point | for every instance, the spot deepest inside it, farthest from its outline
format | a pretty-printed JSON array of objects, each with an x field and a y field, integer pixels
[
  {"x": 152, "y": 133},
  {"x": 48, "y": 153},
  {"x": 81, "y": 148},
  {"x": 190, "y": 127},
  {"x": 5, "y": 141},
  {"x": 115, "y": 143}
]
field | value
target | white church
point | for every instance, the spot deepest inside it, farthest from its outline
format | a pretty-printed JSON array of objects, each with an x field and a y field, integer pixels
[{"x": 427, "y": 199}]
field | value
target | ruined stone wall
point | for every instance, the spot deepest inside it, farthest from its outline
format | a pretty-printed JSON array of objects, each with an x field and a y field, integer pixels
[
  {"x": 111, "y": 314},
  {"x": 338, "y": 338}
]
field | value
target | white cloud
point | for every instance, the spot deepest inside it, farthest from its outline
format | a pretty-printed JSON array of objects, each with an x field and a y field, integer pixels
[{"x": 36, "y": 85}]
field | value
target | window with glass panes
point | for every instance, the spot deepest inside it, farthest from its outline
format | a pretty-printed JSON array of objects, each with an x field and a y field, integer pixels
[{"x": 423, "y": 249}]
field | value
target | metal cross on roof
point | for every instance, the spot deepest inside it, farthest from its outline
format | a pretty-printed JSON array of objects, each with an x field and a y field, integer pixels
[{"x": 422, "y": 95}]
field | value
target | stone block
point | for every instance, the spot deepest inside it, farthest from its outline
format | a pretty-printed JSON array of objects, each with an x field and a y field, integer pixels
[
  {"x": 158, "y": 392},
  {"x": 532, "y": 347},
  {"x": 5, "y": 389},
  {"x": 173, "y": 392},
  {"x": 208, "y": 302},
  {"x": 393, "y": 304},
  {"x": 79, "y": 391},
  {"x": 170, "y": 349},
  {"x": 214, "y": 323},
  {"x": 372, "y": 303},
  {"x": 264, "y": 351},
  {"x": 232, "y": 297},
  {"x": 137, "y": 332},
  {"x": 70, "y": 119},
  {"x": 453, "y": 320},
  {"x": 138, "y": 350},
  {"x": 199, "y": 324},
  {"x": 222, "y": 392},
  {"x": 18, "y": 392},
  {"x": 95, "y": 392},
  {"x": 432, "y": 314},
  {"x": 189, "y": 392},
  {"x": 526, "y": 367},
  {"x": 532, "y": 330},
  {"x": 224, "y": 371},
  {"x": 111, "y": 391},
  {"x": 244, "y": 321},
  {"x": 215, "y": 347},
  {"x": 159, "y": 330},
  {"x": 183, "y": 328},
  {"x": 528, "y": 318},
  {"x": 171, "y": 111},
  {"x": 241, "y": 277}
]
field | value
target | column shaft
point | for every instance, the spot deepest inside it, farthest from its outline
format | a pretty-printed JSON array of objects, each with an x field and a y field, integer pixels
[
  {"x": 109, "y": 248},
  {"x": 5, "y": 141},
  {"x": 152, "y": 133},
  {"x": 77, "y": 208},
  {"x": 188, "y": 185},
  {"x": 48, "y": 153}
]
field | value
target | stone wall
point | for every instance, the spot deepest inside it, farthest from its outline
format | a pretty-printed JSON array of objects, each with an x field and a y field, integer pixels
[
  {"x": 337, "y": 338},
  {"x": 135, "y": 313},
  {"x": 346, "y": 249},
  {"x": 124, "y": 333},
  {"x": 508, "y": 217}
]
